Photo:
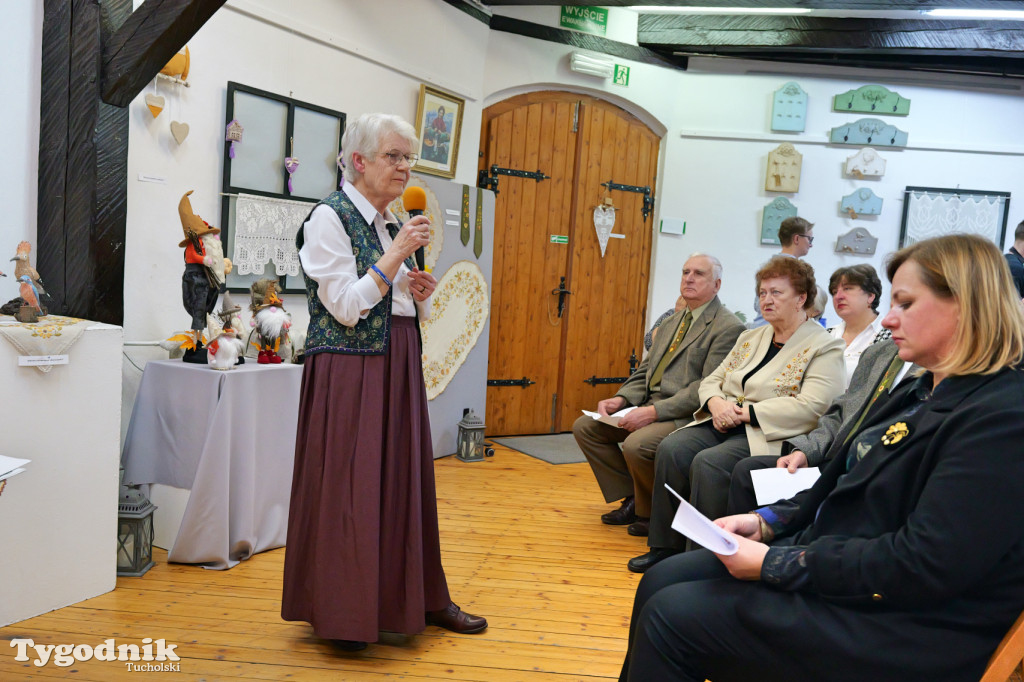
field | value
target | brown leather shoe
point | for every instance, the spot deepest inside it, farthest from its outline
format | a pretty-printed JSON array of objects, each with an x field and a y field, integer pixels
[
  {"x": 622, "y": 516},
  {"x": 455, "y": 619}
]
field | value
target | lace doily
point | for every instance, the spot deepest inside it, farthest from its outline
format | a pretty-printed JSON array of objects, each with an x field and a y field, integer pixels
[
  {"x": 458, "y": 313},
  {"x": 265, "y": 232},
  {"x": 51, "y": 335},
  {"x": 933, "y": 215}
]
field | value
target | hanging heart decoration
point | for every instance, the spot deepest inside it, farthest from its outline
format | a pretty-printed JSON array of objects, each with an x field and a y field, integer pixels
[
  {"x": 604, "y": 221},
  {"x": 155, "y": 103},
  {"x": 291, "y": 164},
  {"x": 179, "y": 131}
]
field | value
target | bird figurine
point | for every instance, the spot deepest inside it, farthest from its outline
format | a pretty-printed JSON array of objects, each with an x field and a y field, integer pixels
[
  {"x": 270, "y": 320},
  {"x": 224, "y": 349},
  {"x": 23, "y": 267},
  {"x": 29, "y": 294}
]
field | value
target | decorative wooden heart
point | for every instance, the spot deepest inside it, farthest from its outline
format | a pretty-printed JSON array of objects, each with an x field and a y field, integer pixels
[
  {"x": 155, "y": 104},
  {"x": 179, "y": 131},
  {"x": 458, "y": 314}
]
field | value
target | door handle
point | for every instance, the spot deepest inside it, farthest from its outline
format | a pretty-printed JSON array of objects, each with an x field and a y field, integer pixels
[{"x": 561, "y": 292}]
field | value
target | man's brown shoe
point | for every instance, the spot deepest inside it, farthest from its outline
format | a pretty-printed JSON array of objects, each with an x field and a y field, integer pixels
[
  {"x": 455, "y": 619},
  {"x": 622, "y": 516}
]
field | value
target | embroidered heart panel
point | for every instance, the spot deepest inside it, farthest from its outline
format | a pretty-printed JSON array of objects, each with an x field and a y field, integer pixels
[{"x": 459, "y": 310}]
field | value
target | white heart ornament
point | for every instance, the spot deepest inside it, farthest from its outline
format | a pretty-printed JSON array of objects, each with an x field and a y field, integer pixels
[
  {"x": 155, "y": 104},
  {"x": 458, "y": 314},
  {"x": 179, "y": 131}
]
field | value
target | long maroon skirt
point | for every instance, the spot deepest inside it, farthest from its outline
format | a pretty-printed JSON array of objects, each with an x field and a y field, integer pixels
[{"x": 363, "y": 553}]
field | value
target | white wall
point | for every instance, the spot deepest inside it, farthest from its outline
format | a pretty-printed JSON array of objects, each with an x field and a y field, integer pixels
[{"x": 21, "y": 54}]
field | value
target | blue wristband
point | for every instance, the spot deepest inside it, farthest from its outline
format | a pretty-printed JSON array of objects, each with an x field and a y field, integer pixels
[{"x": 377, "y": 270}]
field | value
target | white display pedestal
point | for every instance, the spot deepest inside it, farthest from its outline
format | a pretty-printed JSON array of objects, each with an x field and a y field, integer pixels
[{"x": 59, "y": 529}]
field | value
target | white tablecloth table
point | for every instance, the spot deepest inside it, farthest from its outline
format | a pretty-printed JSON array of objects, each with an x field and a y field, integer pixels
[{"x": 228, "y": 437}]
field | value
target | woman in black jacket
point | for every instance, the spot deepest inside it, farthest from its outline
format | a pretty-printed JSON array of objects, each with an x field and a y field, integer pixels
[{"x": 905, "y": 561}]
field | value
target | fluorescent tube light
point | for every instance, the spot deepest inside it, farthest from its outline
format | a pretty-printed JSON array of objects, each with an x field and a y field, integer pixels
[
  {"x": 975, "y": 13},
  {"x": 661, "y": 9}
]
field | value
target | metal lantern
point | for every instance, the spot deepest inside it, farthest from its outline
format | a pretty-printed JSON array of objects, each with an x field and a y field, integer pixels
[
  {"x": 134, "y": 531},
  {"x": 471, "y": 447}
]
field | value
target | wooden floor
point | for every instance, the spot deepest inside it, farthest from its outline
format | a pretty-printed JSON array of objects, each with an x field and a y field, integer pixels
[{"x": 523, "y": 546}]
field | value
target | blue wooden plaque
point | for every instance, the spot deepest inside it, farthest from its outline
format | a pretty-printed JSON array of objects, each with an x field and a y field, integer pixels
[
  {"x": 869, "y": 131},
  {"x": 789, "y": 108},
  {"x": 772, "y": 216},
  {"x": 872, "y": 99},
  {"x": 863, "y": 202}
]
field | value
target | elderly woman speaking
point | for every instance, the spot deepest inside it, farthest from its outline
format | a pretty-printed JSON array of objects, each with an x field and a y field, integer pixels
[
  {"x": 905, "y": 561},
  {"x": 363, "y": 549},
  {"x": 774, "y": 384}
]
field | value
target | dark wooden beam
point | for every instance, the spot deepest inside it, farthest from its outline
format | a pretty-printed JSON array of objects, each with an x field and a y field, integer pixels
[
  {"x": 146, "y": 41},
  {"x": 724, "y": 34}
]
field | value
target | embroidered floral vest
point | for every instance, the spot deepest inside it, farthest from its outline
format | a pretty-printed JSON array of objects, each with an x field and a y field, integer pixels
[{"x": 325, "y": 334}]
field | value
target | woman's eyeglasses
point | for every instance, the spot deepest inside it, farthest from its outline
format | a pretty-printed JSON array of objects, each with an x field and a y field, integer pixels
[{"x": 395, "y": 158}]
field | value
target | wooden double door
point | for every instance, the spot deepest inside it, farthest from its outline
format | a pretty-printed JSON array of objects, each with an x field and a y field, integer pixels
[{"x": 546, "y": 243}]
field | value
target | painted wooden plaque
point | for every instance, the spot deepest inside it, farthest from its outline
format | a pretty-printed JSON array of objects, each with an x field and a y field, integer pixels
[
  {"x": 869, "y": 131},
  {"x": 789, "y": 108},
  {"x": 861, "y": 202},
  {"x": 772, "y": 216},
  {"x": 866, "y": 163},
  {"x": 784, "y": 164},
  {"x": 872, "y": 99},
  {"x": 858, "y": 241}
]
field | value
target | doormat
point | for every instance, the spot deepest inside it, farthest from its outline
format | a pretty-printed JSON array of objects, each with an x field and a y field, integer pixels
[{"x": 555, "y": 448}]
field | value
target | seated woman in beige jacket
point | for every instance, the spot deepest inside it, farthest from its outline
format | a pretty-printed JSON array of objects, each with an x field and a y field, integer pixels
[{"x": 774, "y": 384}]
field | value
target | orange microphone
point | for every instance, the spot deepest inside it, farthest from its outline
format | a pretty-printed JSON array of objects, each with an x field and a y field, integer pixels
[{"x": 414, "y": 199}]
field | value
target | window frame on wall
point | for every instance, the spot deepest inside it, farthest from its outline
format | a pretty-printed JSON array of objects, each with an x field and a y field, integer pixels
[
  {"x": 1002, "y": 197},
  {"x": 230, "y": 192}
]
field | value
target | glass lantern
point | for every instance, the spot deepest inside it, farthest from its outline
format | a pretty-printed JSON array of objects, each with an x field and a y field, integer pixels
[
  {"x": 471, "y": 438},
  {"x": 134, "y": 531}
]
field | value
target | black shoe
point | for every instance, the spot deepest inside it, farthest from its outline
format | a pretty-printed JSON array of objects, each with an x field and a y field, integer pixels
[
  {"x": 197, "y": 356},
  {"x": 639, "y": 564},
  {"x": 622, "y": 516},
  {"x": 349, "y": 644},
  {"x": 640, "y": 528}
]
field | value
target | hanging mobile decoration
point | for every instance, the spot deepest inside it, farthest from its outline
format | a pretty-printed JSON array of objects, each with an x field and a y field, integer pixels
[
  {"x": 233, "y": 135},
  {"x": 155, "y": 104},
  {"x": 464, "y": 234},
  {"x": 179, "y": 131},
  {"x": 341, "y": 165},
  {"x": 478, "y": 237},
  {"x": 604, "y": 223},
  {"x": 176, "y": 70},
  {"x": 291, "y": 164}
]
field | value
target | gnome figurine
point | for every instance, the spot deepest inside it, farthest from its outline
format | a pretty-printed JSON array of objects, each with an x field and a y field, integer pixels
[
  {"x": 203, "y": 276},
  {"x": 225, "y": 347},
  {"x": 230, "y": 317},
  {"x": 270, "y": 320}
]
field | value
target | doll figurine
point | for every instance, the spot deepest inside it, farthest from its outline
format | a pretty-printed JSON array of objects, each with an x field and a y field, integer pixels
[
  {"x": 203, "y": 276},
  {"x": 225, "y": 347},
  {"x": 270, "y": 320}
]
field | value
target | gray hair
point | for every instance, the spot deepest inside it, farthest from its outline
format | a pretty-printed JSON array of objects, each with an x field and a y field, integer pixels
[
  {"x": 716, "y": 265},
  {"x": 365, "y": 135}
]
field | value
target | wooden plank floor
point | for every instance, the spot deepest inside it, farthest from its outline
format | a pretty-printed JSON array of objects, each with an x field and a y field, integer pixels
[{"x": 523, "y": 546}]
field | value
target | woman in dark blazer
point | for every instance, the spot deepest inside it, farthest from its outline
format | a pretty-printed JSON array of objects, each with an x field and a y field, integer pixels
[{"x": 905, "y": 561}]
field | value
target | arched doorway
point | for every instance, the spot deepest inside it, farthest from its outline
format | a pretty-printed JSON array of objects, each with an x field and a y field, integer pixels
[{"x": 544, "y": 232}]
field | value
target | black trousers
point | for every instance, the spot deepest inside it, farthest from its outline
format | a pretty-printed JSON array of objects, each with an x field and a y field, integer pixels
[{"x": 198, "y": 295}]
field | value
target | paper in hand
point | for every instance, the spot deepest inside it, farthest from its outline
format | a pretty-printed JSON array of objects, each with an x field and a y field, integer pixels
[
  {"x": 701, "y": 529},
  {"x": 772, "y": 485},
  {"x": 612, "y": 419}
]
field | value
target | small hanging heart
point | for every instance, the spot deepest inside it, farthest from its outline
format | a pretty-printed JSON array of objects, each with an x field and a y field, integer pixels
[
  {"x": 179, "y": 131},
  {"x": 155, "y": 104}
]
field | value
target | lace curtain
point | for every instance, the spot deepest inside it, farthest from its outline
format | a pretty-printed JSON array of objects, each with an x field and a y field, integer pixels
[
  {"x": 935, "y": 214},
  {"x": 265, "y": 232}
]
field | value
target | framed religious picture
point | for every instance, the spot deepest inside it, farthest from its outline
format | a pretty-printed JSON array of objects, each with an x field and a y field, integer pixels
[{"x": 438, "y": 125}]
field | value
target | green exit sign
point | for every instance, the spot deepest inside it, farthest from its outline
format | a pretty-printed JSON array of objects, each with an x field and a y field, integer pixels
[
  {"x": 621, "y": 76},
  {"x": 587, "y": 19}
]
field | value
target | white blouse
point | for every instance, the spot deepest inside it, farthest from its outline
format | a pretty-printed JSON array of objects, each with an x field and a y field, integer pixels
[
  {"x": 326, "y": 256},
  {"x": 869, "y": 335}
]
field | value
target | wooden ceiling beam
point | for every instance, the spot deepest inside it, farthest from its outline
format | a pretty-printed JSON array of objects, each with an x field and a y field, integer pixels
[
  {"x": 767, "y": 34},
  {"x": 135, "y": 53},
  {"x": 888, "y": 5}
]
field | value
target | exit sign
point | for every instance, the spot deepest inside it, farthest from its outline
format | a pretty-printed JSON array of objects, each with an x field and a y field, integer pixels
[
  {"x": 587, "y": 19},
  {"x": 621, "y": 76}
]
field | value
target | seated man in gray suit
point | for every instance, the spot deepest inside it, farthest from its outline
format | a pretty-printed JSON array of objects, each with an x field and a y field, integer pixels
[
  {"x": 690, "y": 344},
  {"x": 878, "y": 372}
]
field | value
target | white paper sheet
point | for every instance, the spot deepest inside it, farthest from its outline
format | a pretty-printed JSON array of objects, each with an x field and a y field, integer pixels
[
  {"x": 612, "y": 419},
  {"x": 772, "y": 485},
  {"x": 701, "y": 529},
  {"x": 9, "y": 464},
  {"x": 9, "y": 474}
]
